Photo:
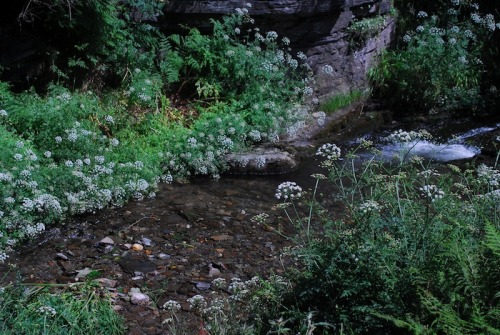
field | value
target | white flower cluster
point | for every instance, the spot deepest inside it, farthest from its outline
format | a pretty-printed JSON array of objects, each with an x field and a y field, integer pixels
[
  {"x": 288, "y": 190},
  {"x": 408, "y": 136},
  {"x": 172, "y": 306},
  {"x": 3, "y": 113},
  {"x": 327, "y": 69},
  {"x": 369, "y": 206},
  {"x": 421, "y": 14},
  {"x": 255, "y": 135},
  {"x": 428, "y": 173},
  {"x": 490, "y": 175},
  {"x": 197, "y": 303},
  {"x": 432, "y": 192},
  {"x": 47, "y": 311},
  {"x": 329, "y": 151},
  {"x": 32, "y": 230}
]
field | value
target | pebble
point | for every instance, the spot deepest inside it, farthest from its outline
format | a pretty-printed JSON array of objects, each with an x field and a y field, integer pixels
[
  {"x": 107, "y": 240},
  {"x": 222, "y": 237},
  {"x": 146, "y": 241},
  {"x": 163, "y": 256},
  {"x": 138, "y": 298},
  {"x": 62, "y": 256},
  {"x": 137, "y": 247}
]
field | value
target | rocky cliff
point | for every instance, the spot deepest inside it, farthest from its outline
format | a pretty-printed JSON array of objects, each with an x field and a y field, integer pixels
[{"x": 319, "y": 28}]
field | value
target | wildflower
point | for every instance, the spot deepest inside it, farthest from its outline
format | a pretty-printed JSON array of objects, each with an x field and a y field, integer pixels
[
  {"x": 455, "y": 2},
  {"x": 172, "y": 306},
  {"x": 301, "y": 55},
  {"x": 18, "y": 157},
  {"x": 58, "y": 139},
  {"x": 369, "y": 206},
  {"x": 307, "y": 90},
  {"x": 489, "y": 174},
  {"x": 405, "y": 136},
  {"x": 422, "y": 14},
  {"x": 420, "y": 29},
  {"x": 114, "y": 142},
  {"x": 99, "y": 159},
  {"x": 463, "y": 60},
  {"x": 219, "y": 283},
  {"x": 428, "y": 173},
  {"x": 47, "y": 311},
  {"x": 260, "y": 218},
  {"x": 329, "y": 151},
  {"x": 197, "y": 302},
  {"x": 237, "y": 30},
  {"x": 260, "y": 162},
  {"x": 47, "y": 154},
  {"x": 5, "y": 177},
  {"x": 288, "y": 190},
  {"x": 3, "y": 113},
  {"x": 271, "y": 35},
  {"x": 432, "y": 192},
  {"x": 406, "y": 38},
  {"x": 9, "y": 200},
  {"x": 109, "y": 119},
  {"x": 327, "y": 69},
  {"x": 476, "y": 18},
  {"x": 285, "y": 40},
  {"x": 72, "y": 136}
]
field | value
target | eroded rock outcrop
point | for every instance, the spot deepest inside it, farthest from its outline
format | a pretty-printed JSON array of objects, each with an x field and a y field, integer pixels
[{"x": 316, "y": 27}]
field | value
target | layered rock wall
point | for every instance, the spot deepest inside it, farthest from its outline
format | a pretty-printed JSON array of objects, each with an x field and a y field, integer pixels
[{"x": 316, "y": 27}]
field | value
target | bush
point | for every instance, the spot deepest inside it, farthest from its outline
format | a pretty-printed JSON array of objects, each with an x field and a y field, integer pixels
[
  {"x": 440, "y": 61},
  {"x": 415, "y": 250}
]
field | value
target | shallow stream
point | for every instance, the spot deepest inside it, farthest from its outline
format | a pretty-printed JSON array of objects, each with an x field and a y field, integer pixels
[{"x": 192, "y": 233}]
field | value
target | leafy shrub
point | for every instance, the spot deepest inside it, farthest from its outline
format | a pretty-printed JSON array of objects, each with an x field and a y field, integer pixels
[
  {"x": 238, "y": 65},
  {"x": 414, "y": 249},
  {"x": 440, "y": 62}
]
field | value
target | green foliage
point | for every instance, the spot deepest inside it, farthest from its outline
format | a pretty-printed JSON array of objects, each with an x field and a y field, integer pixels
[
  {"x": 362, "y": 30},
  {"x": 342, "y": 100},
  {"x": 237, "y": 62},
  {"x": 37, "y": 310},
  {"x": 439, "y": 63},
  {"x": 415, "y": 248}
]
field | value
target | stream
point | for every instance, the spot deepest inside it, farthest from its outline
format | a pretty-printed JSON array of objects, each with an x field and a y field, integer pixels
[{"x": 171, "y": 247}]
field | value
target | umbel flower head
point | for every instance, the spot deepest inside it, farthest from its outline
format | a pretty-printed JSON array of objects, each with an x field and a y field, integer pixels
[
  {"x": 288, "y": 190},
  {"x": 329, "y": 151}
]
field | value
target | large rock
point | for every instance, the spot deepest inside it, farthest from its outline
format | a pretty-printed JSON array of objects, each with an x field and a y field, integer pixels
[{"x": 316, "y": 27}]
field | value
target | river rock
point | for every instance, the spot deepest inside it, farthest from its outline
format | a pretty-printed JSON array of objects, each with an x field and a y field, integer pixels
[
  {"x": 136, "y": 262},
  {"x": 138, "y": 298},
  {"x": 107, "y": 240},
  {"x": 262, "y": 161}
]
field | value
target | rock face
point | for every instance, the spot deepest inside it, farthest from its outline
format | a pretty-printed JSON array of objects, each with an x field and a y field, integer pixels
[{"x": 315, "y": 27}]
